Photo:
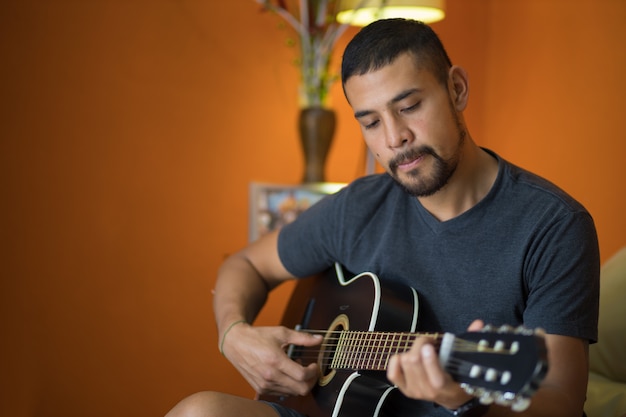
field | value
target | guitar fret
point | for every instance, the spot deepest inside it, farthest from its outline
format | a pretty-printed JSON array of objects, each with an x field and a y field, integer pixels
[
  {"x": 368, "y": 351},
  {"x": 335, "y": 354},
  {"x": 347, "y": 337},
  {"x": 371, "y": 350},
  {"x": 407, "y": 343},
  {"x": 339, "y": 351},
  {"x": 363, "y": 351},
  {"x": 354, "y": 343},
  {"x": 354, "y": 358},
  {"x": 367, "y": 354},
  {"x": 359, "y": 352},
  {"x": 389, "y": 350},
  {"x": 375, "y": 350},
  {"x": 345, "y": 349},
  {"x": 378, "y": 351}
]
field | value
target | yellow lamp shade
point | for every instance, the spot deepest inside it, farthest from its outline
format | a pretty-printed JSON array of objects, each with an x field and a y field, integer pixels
[{"x": 427, "y": 11}]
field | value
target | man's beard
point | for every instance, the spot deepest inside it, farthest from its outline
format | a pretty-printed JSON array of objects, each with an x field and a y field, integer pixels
[{"x": 419, "y": 185}]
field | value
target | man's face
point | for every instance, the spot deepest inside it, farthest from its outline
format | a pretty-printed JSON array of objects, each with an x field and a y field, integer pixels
[{"x": 409, "y": 122}]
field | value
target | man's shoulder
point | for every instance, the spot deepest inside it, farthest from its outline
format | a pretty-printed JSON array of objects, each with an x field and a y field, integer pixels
[{"x": 537, "y": 187}]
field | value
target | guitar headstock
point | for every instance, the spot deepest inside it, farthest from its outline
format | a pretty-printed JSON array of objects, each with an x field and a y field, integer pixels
[{"x": 504, "y": 365}]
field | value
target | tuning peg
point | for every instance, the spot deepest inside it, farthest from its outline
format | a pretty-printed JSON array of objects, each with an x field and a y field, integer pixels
[
  {"x": 522, "y": 330},
  {"x": 497, "y": 396},
  {"x": 505, "y": 328},
  {"x": 501, "y": 399},
  {"x": 487, "y": 398},
  {"x": 468, "y": 389},
  {"x": 520, "y": 404},
  {"x": 481, "y": 393},
  {"x": 505, "y": 378},
  {"x": 498, "y": 346},
  {"x": 475, "y": 371},
  {"x": 505, "y": 398},
  {"x": 491, "y": 374},
  {"x": 482, "y": 345}
]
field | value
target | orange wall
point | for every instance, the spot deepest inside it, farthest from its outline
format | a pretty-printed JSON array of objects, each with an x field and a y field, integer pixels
[{"x": 131, "y": 131}]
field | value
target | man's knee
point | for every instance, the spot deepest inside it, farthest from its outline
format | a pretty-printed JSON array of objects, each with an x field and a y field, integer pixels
[
  {"x": 216, "y": 404},
  {"x": 201, "y": 404}
]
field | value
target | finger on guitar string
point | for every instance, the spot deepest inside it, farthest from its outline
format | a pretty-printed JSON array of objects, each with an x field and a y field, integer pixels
[
  {"x": 419, "y": 375},
  {"x": 257, "y": 353},
  {"x": 301, "y": 338}
]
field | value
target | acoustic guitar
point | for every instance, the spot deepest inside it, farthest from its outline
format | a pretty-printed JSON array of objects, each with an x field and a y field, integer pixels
[{"x": 364, "y": 323}]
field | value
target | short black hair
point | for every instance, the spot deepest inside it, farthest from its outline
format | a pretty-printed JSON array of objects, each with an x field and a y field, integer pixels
[{"x": 381, "y": 42}]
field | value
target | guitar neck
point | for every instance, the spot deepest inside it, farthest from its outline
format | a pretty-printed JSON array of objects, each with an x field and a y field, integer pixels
[{"x": 370, "y": 351}]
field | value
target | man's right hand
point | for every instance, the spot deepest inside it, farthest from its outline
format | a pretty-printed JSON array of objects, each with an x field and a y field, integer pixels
[{"x": 259, "y": 355}]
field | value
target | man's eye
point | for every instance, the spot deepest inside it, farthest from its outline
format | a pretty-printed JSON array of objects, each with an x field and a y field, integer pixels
[
  {"x": 411, "y": 108},
  {"x": 370, "y": 125}
]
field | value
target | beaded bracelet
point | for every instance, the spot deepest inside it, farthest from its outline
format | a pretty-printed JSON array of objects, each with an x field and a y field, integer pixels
[
  {"x": 472, "y": 408},
  {"x": 226, "y": 332}
]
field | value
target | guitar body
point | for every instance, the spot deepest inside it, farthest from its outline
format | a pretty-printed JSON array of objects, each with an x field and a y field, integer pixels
[
  {"x": 365, "y": 323},
  {"x": 335, "y": 302}
]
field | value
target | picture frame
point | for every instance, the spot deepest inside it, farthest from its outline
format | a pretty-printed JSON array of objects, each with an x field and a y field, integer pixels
[{"x": 274, "y": 205}]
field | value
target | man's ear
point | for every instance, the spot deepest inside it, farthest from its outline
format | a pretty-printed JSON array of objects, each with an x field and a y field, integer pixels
[{"x": 458, "y": 85}]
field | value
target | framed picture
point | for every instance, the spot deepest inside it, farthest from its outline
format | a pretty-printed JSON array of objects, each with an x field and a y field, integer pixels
[{"x": 274, "y": 205}]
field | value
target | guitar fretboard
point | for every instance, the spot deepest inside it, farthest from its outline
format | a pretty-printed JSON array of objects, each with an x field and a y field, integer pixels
[{"x": 369, "y": 351}]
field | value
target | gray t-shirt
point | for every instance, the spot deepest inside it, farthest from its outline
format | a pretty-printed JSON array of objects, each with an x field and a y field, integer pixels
[{"x": 525, "y": 254}]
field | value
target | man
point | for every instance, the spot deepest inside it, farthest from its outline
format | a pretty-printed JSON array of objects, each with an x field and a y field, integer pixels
[{"x": 476, "y": 236}]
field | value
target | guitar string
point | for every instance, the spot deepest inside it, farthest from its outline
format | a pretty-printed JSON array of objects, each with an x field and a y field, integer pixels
[
  {"x": 356, "y": 353},
  {"x": 373, "y": 336},
  {"x": 359, "y": 359},
  {"x": 366, "y": 339},
  {"x": 381, "y": 364},
  {"x": 373, "y": 349}
]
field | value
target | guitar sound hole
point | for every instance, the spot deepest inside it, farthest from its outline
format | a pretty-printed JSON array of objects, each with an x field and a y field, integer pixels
[
  {"x": 329, "y": 349},
  {"x": 330, "y": 346}
]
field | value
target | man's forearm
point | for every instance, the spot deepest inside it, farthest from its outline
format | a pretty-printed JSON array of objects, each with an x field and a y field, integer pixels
[{"x": 240, "y": 292}]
